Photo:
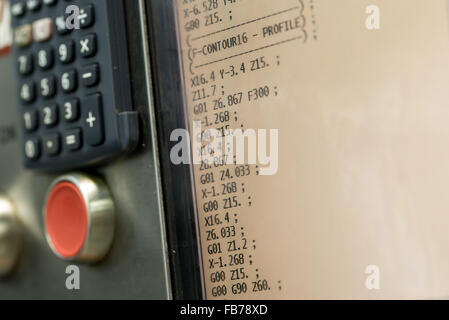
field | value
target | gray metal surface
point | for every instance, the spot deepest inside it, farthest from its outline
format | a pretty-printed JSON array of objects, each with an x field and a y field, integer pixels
[{"x": 135, "y": 268}]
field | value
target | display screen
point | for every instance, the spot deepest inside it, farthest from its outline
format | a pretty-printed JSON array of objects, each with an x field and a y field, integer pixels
[{"x": 342, "y": 187}]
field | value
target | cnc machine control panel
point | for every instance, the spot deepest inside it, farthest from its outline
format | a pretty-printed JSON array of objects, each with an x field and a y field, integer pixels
[
  {"x": 79, "y": 180},
  {"x": 224, "y": 149}
]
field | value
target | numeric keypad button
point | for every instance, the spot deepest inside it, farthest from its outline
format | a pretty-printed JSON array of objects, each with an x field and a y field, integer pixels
[
  {"x": 50, "y": 2},
  {"x": 30, "y": 120},
  {"x": 72, "y": 140},
  {"x": 66, "y": 52},
  {"x": 23, "y": 36},
  {"x": 61, "y": 25},
  {"x": 90, "y": 75},
  {"x": 52, "y": 144},
  {"x": 34, "y": 5},
  {"x": 49, "y": 115},
  {"x": 28, "y": 92},
  {"x": 25, "y": 64},
  {"x": 48, "y": 87},
  {"x": 87, "y": 16},
  {"x": 45, "y": 58},
  {"x": 93, "y": 120},
  {"x": 32, "y": 149},
  {"x": 71, "y": 110},
  {"x": 69, "y": 81},
  {"x": 88, "y": 46},
  {"x": 18, "y": 9},
  {"x": 43, "y": 30}
]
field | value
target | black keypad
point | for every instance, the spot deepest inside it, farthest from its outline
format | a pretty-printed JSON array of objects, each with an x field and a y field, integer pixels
[{"x": 74, "y": 90}]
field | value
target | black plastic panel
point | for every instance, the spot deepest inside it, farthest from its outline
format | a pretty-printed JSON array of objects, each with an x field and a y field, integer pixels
[{"x": 117, "y": 130}]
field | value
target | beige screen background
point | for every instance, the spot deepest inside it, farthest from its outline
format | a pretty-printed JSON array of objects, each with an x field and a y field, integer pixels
[{"x": 363, "y": 119}]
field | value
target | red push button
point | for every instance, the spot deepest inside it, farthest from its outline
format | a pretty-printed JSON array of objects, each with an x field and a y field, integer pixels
[
  {"x": 79, "y": 218},
  {"x": 66, "y": 220}
]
